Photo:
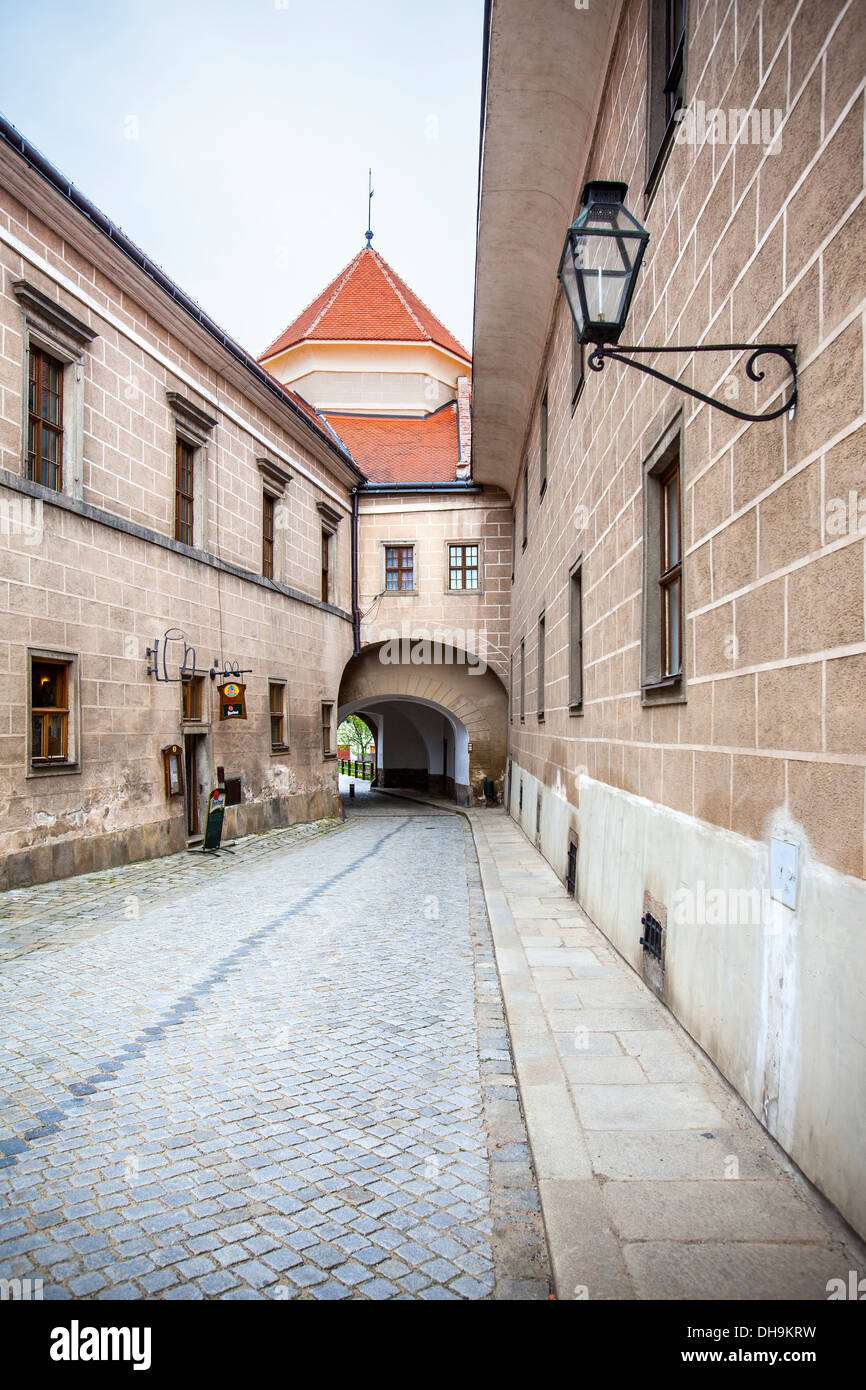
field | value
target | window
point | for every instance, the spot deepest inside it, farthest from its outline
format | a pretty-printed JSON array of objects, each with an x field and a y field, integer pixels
[
  {"x": 662, "y": 647},
  {"x": 45, "y": 420},
  {"x": 191, "y": 696},
  {"x": 399, "y": 568},
  {"x": 463, "y": 567},
  {"x": 513, "y": 540},
  {"x": 575, "y": 645},
  {"x": 525, "y": 504},
  {"x": 522, "y": 681},
  {"x": 49, "y": 707},
  {"x": 665, "y": 81},
  {"x": 577, "y": 365},
  {"x": 511, "y": 689},
  {"x": 542, "y": 427},
  {"x": 183, "y": 491},
  {"x": 277, "y": 706},
  {"x": 268, "y": 510},
  {"x": 327, "y": 537},
  {"x": 670, "y": 578},
  {"x": 540, "y": 706},
  {"x": 327, "y": 737}
]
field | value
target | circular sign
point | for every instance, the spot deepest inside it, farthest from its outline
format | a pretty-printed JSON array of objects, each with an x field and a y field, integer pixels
[{"x": 231, "y": 691}]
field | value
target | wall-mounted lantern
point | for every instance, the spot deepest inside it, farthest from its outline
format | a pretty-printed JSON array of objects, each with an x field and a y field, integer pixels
[{"x": 598, "y": 270}]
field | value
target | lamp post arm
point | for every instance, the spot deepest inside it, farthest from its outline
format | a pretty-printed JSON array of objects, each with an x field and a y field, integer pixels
[{"x": 602, "y": 352}]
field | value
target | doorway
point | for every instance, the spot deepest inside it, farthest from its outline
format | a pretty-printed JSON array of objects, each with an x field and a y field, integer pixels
[{"x": 195, "y": 782}]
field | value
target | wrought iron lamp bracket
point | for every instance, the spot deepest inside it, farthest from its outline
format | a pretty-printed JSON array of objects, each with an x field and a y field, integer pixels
[{"x": 603, "y": 351}]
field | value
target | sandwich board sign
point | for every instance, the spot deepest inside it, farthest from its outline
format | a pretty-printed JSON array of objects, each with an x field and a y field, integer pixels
[{"x": 213, "y": 827}]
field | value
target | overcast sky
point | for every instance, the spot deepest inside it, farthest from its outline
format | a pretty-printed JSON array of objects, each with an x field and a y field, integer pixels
[{"x": 231, "y": 139}]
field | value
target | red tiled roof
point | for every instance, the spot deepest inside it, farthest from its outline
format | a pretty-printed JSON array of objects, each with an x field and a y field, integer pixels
[
  {"x": 367, "y": 302},
  {"x": 394, "y": 449}
]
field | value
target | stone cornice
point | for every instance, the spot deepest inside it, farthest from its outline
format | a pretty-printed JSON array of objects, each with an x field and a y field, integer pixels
[{"x": 40, "y": 306}]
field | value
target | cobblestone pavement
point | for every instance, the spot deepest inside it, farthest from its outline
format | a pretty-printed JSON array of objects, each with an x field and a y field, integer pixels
[{"x": 280, "y": 1075}]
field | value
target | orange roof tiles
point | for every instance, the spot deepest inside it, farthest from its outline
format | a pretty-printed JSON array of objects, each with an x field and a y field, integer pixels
[
  {"x": 397, "y": 449},
  {"x": 367, "y": 302}
]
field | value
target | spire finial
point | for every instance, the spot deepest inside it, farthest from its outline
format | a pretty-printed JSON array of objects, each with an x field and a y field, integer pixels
[{"x": 369, "y": 232}]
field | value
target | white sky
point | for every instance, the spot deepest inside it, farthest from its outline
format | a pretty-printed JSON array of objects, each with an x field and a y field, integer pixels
[{"x": 231, "y": 139}]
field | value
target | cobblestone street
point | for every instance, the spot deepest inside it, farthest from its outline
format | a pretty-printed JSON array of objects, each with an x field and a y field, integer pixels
[{"x": 282, "y": 1074}]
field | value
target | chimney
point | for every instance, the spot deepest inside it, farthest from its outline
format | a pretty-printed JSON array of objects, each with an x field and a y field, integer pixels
[{"x": 464, "y": 428}]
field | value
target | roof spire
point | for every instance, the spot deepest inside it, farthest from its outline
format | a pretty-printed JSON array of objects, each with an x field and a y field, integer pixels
[{"x": 369, "y": 232}]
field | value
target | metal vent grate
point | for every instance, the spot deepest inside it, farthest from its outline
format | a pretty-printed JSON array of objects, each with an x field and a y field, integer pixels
[
  {"x": 571, "y": 871},
  {"x": 652, "y": 935}
]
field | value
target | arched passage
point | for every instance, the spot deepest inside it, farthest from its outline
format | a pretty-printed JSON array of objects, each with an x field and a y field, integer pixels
[{"x": 440, "y": 726}]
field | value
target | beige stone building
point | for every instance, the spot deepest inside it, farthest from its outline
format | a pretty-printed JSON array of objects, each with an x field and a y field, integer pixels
[
  {"x": 165, "y": 506},
  {"x": 687, "y": 740}
]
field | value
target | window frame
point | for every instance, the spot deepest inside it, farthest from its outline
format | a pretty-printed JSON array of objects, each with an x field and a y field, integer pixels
[
  {"x": 523, "y": 680},
  {"x": 578, "y": 379},
  {"x": 269, "y": 517},
  {"x": 543, "y": 440},
  {"x": 464, "y": 568},
  {"x": 182, "y": 448},
  {"x": 52, "y": 330},
  {"x": 575, "y": 639},
  {"x": 666, "y": 85},
  {"x": 541, "y": 658},
  {"x": 525, "y": 504},
  {"x": 665, "y": 458},
  {"x": 399, "y": 569},
  {"x": 38, "y": 423},
  {"x": 276, "y": 686},
  {"x": 37, "y": 766},
  {"x": 194, "y": 685},
  {"x": 328, "y": 732}
]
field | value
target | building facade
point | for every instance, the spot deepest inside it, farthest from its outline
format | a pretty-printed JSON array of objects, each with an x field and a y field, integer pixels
[
  {"x": 687, "y": 734},
  {"x": 434, "y": 547},
  {"x": 163, "y": 507}
]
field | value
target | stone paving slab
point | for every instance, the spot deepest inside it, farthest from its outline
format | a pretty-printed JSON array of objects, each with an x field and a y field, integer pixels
[
  {"x": 284, "y": 1075},
  {"x": 656, "y": 1180}
]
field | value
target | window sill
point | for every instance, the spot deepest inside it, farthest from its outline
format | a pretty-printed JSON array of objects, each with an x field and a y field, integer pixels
[
  {"x": 669, "y": 691},
  {"x": 471, "y": 593},
  {"x": 280, "y": 748},
  {"x": 542, "y": 490},
  {"x": 399, "y": 593},
  {"x": 540, "y": 718},
  {"x": 329, "y": 757},
  {"x": 576, "y": 708},
  {"x": 53, "y": 769}
]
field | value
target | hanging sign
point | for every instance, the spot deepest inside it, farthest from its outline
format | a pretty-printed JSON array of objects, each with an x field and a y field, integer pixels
[
  {"x": 213, "y": 827},
  {"x": 233, "y": 703}
]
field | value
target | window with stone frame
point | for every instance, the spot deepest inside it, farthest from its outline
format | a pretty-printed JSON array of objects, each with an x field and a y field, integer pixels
[
  {"x": 575, "y": 642},
  {"x": 277, "y": 714},
  {"x": 328, "y": 730},
  {"x": 45, "y": 419},
  {"x": 399, "y": 568},
  {"x": 464, "y": 569},
  {"x": 52, "y": 700},
  {"x": 542, "y": 449},
  {"x": 522, "y": 680},
  {"x": 184, "y": 495},
  {"x": 666, "y": 73},
  {"x": 578, "y": 366},
  {"x": 54, "y": 367},
  {"x": 662, "y": 645},
  {"x": 539, "y": 708},
  {"x": 192, "y": 692},
  {"x": 525, "y": 504},
  {"x": 269, "y": 507}
]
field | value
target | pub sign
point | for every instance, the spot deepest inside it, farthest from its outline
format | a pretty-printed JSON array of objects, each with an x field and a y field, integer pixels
[{"x": 233, "y": 702}]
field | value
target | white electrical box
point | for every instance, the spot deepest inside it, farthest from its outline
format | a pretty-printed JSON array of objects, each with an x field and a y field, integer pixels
[{"x": 784, "y": 872}]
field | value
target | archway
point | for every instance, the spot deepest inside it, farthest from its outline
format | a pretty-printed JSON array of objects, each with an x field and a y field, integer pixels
[{"x": 439, "y": 726}]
